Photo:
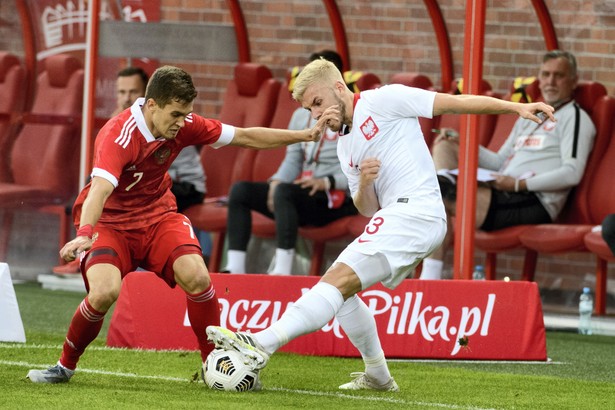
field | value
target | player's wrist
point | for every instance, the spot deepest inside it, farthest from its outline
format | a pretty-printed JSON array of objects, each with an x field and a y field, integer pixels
[{"x": 86, "y": 230}]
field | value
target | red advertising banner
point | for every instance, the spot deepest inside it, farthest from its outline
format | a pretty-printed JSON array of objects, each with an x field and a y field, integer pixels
[{"x": 448, "y": 319}]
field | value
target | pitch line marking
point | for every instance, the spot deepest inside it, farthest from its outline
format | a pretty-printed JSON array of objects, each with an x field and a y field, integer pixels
[
  {"x": 280, "y": 389},
  {"x": 107, "y": 348}
]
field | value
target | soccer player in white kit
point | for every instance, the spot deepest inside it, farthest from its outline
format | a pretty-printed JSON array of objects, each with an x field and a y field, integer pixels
[{"x": 393, "y": 180}]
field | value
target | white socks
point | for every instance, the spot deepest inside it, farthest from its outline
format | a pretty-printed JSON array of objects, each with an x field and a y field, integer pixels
[
  {"x": 283, "y": 261},
  {"x": 236, "y": 262},
  {"x": 309, "y": 313},
  {"x": 360, "y": 327},
  {"x": 432, "y": 269}
]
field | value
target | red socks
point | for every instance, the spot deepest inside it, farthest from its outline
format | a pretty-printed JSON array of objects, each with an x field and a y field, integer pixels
[
  {"x": 83, "y": 329},
  {"x": 203, "y": 311}
]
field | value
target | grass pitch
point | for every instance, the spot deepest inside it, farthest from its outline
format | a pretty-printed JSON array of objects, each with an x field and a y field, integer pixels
[{"x": 581, "y": 374}]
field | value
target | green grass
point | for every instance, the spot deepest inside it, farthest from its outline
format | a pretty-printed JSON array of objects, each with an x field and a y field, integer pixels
[{"x": 582, "y": 374}]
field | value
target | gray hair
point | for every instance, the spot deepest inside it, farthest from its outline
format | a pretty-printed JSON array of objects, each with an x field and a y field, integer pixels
[{"x": 572, "y": 61}]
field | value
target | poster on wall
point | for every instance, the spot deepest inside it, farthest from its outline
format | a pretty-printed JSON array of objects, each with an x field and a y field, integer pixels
[{"x": 60, "y": 26}]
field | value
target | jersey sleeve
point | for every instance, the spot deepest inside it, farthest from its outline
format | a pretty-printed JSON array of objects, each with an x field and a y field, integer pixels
[
  {"x": 112, "y": 154},
  {"x": 205, "y": 131},
  {"x": 400, "y": 101}
]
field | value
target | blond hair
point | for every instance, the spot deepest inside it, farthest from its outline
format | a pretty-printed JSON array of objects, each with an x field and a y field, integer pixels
[{"x": 318, "y": 71}]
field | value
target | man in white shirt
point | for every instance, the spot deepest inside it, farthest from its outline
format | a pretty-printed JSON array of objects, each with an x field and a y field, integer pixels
[{"x": 392, "y": 179}]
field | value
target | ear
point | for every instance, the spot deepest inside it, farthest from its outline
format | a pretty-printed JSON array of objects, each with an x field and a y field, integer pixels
[
  {"x": 340, "y": 86},
  {"x": 151, "y": 104}
]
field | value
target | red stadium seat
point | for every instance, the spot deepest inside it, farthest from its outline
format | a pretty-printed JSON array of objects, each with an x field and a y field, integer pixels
[
  {"x": 12, "y": 86},
  {"x": 250, "y": 101},
  {"x": 45, "y": 155}
]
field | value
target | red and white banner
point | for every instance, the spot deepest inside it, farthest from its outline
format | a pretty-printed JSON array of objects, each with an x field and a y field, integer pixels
[
  {"x": 448, "y": 319},
  {"x": 60, "y": 27}
]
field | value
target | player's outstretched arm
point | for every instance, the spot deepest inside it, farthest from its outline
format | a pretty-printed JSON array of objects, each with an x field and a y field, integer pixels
[
  {"x": 480, "y": 104},
  {"x": 260, "y": 137}
]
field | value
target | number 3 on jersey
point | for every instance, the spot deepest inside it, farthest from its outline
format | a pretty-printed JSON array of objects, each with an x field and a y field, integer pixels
[{"x": 372, "y": 227}]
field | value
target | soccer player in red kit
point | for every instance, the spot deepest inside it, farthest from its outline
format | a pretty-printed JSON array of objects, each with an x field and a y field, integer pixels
[{"x": 126, "y": 217}]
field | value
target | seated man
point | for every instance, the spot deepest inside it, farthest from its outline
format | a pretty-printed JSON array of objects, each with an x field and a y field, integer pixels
[
  {"x": 535, "y": 168},
  {"x": 303, "y": 191}
]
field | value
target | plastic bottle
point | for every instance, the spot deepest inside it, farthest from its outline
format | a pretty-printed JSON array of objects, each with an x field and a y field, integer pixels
[
  {"x": 586, "y": 306},
  {"x": 479, "y": 273}
]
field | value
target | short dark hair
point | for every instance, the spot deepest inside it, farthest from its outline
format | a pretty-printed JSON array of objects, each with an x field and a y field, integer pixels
[
  {"x": 168, "y": 84},
  {"x": 331, "y": 56},
  {"x": 130, "y": 71}
]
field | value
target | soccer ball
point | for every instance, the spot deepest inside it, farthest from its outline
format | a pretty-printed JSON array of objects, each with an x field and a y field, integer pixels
[{"x": 225, "y": 370}]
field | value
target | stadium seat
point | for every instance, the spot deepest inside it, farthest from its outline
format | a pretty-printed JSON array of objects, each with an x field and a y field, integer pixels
[
  {"x": 12, "y": 86},
  {"x": 285, "y": 105},
  {"x": 506, "y": 239},
  {"x": 44, "y": 158},
  {"x": 249, "y": 101},
  {"x": 359, "y": 81}
]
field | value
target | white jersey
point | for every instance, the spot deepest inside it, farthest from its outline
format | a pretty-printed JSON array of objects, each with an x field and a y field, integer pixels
[
  {"x": 385, "y": 126},
  {"x": 411, "y": 222}
]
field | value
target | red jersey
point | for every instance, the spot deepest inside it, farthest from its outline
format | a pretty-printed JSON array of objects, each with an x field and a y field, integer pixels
[{"x": 136, "y": 163}]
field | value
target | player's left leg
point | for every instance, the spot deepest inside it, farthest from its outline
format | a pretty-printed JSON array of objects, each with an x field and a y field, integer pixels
[
  {"x": 176, "y": 255},
  {"x": 360, "y": 327},
  {"x": 201, "y": 300}
]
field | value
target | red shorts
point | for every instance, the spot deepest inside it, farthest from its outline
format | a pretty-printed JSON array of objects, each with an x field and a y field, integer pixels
[{"x": 148, "y": 248}]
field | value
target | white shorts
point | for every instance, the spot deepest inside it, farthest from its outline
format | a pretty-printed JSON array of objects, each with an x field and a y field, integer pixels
[{"x": 392, "y": 245}]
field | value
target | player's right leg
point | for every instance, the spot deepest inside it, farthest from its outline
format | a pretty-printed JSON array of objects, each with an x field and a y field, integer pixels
[
  {"x": 252, "y": 352},
  {"x": 310, "y": 312},
  {"x": 103, "y": 281}
]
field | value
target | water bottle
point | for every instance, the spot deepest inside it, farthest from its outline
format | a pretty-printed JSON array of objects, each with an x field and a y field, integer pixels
[
  {"x": 586, "y": 307},
  {"x": 479, "y": 273}
]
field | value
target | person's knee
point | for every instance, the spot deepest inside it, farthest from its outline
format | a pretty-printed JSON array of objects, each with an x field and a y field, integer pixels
[
  {"x": 445, "y": 154},
  {"x": 102, "y": 295},
  {"x": 191, "y": 274},
  {"x": 284, "y": 193},
  {"x": 344, "y": 279},
  {"x": 608, "y": 227},
  {"x": 239, "y": 192}
]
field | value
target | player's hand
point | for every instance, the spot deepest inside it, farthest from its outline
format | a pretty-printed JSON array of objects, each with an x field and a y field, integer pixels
[
  {"x": 313, "y": 184},
  {"x": 330, "y": 118},
  {"x": 72, "y": 249},
  {"x": 503, "y": 183},
  {"x": 370, "y": 169},
  {"x": 532, "y": 111}
]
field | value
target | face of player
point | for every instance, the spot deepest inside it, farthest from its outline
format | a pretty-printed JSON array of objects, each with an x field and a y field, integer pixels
[
  {"x": 166, "y": 122},
  {"x": 317, "y": 98},
  {"x": 128, "y": 89},
  {"x": 556, "y": 81}
]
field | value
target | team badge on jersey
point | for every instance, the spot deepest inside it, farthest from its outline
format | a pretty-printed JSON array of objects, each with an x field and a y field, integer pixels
[
  {"x": 162, "y": 154},
  {"x": 369, "y": 128}
]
